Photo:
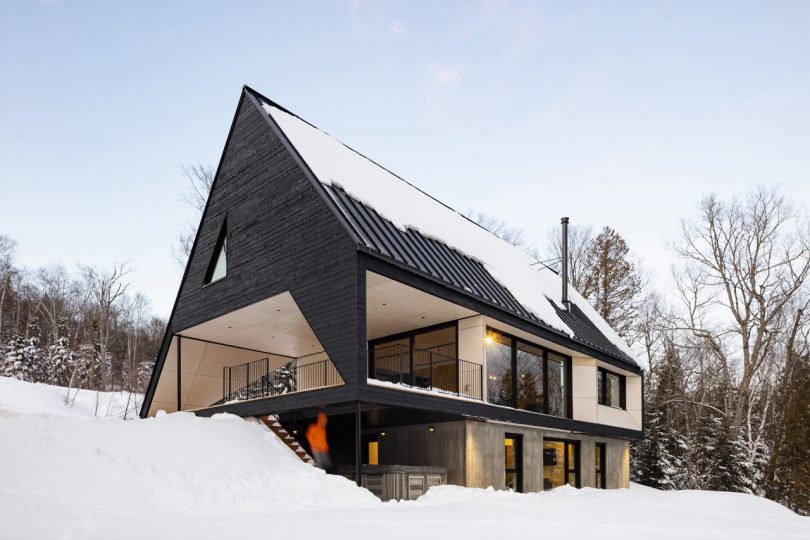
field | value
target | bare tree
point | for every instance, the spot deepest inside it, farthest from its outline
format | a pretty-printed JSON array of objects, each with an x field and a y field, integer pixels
[
  {"x": 580, "y": 238},
  {"x": 745, "y": 260},
  {"x": 55, "y": 284},
  {"x": 200, "y": 179},
  {"x": 107, "y": 288},
  {"x": 7, "y": 246},
  {"x": 500, "y": 228}
]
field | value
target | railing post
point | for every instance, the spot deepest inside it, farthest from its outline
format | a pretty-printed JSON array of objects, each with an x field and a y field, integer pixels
[
  {"x": 481, "y": 389},
  {"x": 410, "y": 365},
  {"x": 458, "y": 377},
  {"x": 401, "y": 367},
  {"x": 230, "y": 388},
  {"x": 430, "y": 369}
]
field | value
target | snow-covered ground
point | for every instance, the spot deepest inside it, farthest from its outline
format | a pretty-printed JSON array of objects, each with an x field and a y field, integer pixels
[
  {"x": 67, "y": 474},
  {"x": 18, "y": 397}
]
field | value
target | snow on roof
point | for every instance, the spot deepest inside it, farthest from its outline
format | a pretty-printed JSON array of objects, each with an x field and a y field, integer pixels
[{"x": 408, "y": 207}]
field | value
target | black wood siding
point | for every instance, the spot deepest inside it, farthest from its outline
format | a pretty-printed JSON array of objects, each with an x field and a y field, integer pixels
[{"x": 282, "y": 235}]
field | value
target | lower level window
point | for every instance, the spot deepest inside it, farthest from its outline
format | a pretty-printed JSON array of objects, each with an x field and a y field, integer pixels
[
  {"x": 513, "y": 462},
  {"x": 560, "y": 463},
  {"x": 600, "y": 465}
]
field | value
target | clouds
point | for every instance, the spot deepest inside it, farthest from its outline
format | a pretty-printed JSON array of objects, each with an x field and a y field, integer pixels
[
  {"x": 374, "y": 20},
  {"x": 446, "y": 75}
]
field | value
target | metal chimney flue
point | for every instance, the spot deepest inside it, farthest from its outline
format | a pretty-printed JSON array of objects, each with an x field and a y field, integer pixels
[{"x": 564, "y": 265}]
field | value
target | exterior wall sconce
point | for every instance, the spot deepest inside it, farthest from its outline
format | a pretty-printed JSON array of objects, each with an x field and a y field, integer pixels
[
  {"x": 431, "y": 429},
  {"x": 382, "y": 434}
]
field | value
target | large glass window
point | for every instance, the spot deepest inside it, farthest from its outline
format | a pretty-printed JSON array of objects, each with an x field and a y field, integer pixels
[
  {"x": 425, "y": 358},
  {"x": 441, "y": 341},
  {"x": 529, "y": 378},
  {"x": 500, "y": 377},
  {"x": 526, "y": 376},
  {"x": 556, "y": 385},
  {"x": 513, "y": 462},
  {"x": 560, "y": 463},
  {"x": 611, "y": 388},
  {"x": 392, "y": 360}
]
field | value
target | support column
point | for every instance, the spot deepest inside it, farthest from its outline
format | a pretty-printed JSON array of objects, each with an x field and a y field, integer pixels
[
  {"x": 179, "y": 399},
  {"x": 358, "y": 452}
]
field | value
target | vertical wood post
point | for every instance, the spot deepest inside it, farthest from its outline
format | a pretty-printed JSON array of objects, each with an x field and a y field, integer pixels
[
  {"x": 179, "y": 401},
  {"x": 358, "y": 454}
]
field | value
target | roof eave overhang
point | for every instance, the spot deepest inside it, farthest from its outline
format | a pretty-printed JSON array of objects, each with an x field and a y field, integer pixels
[{"x": 497, "y": 312}]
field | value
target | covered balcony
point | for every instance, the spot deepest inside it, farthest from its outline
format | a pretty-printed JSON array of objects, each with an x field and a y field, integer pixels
[{"x": 259, "y": 351}]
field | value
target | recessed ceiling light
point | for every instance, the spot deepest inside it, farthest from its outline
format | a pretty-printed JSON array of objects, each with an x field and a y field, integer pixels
[{"x": 384, "y": 304}]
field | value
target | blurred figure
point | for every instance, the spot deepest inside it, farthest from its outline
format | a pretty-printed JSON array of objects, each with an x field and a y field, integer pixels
[{"x": 316, "y": 435}]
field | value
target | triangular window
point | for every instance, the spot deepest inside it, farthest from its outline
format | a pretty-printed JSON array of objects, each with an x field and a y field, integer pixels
[{"x": 218, "y": 267}]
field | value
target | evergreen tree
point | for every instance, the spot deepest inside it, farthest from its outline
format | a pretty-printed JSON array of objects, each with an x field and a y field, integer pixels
[
  {"x": 15, "y": 364},
  {"x": 33, "y": 359},
  {"x": 653, "y": 464},
  {"x": 59, "y": 362},
  {"x": 85, "y": 366},
  {"x": 145, "y": 370},
  {"x": 788, "y": 471}
]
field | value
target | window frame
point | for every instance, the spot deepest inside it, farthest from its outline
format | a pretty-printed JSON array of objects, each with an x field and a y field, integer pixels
[
  {"x": 222, "y": 240},
  {"x": 410, "y": 335},
  {"x": 600, "y": 450},
  {"x": 567, "y": 374},
  {"x": 602, "y": 392},
  {"x": 574, "y": 446},
  {"x": 517, "y": 470}
]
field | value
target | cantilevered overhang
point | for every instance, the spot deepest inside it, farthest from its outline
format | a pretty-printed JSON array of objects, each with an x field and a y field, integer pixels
[{"x": 273, "y": 330}]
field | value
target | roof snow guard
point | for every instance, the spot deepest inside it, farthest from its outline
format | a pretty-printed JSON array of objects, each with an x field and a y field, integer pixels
[{"x": 398, "y": 221}]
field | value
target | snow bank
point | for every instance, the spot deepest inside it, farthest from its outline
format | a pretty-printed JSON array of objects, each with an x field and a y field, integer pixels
[
  {"x": 408, "y": 207},
  {"x": 18, "y": 396},
  {"x": 638, "y": 513},
  {"x": 71, "y": 475},
  {"x": 65, "y": 464}
]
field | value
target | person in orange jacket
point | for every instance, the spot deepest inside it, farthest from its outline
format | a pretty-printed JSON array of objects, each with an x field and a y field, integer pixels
[{"x": 316, "y": 435}]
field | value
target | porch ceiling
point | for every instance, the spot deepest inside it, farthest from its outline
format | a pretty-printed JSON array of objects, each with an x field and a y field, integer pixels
[
  {"x": 274, "y": 325},
  {"x": 393, "y": 307}
]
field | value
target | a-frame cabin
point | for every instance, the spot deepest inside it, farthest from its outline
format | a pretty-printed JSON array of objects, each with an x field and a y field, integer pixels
[{"x": 319, "y": 280}]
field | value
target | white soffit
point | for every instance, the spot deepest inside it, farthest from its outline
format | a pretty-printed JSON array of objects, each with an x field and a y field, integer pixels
[
  {"x": 393, "y": 307},
  {"x": 275, "y": 326}
]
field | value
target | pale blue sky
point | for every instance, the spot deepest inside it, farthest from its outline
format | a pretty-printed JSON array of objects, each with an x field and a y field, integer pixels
[{"x": 619, "y": 113}]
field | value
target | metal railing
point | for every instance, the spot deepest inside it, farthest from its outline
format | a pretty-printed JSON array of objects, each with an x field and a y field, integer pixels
[
  {"x": 401, "y": 364},
  {"x": 256, "y": 379}
]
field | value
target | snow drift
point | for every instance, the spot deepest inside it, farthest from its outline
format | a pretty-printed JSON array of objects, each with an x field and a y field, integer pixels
[{"x": 68, "y": 474}]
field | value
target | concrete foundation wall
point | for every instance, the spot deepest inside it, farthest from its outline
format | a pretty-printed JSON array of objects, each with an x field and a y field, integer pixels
[
  {"x": 485, "y": 455},
  {"x": 473, "y": 453},
  {"x": 416, "y": 445}
]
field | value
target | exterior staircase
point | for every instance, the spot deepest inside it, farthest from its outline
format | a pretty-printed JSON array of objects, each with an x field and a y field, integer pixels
[{"x": 276, "y": 427}]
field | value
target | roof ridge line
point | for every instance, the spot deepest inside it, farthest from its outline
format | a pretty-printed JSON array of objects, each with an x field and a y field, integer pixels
[{"x": 275, "y": 104}]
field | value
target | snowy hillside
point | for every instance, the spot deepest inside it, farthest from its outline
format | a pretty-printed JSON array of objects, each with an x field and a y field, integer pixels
[
  {"x": 17, "y": 397},
  {"x": 67, "y": 474}
]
